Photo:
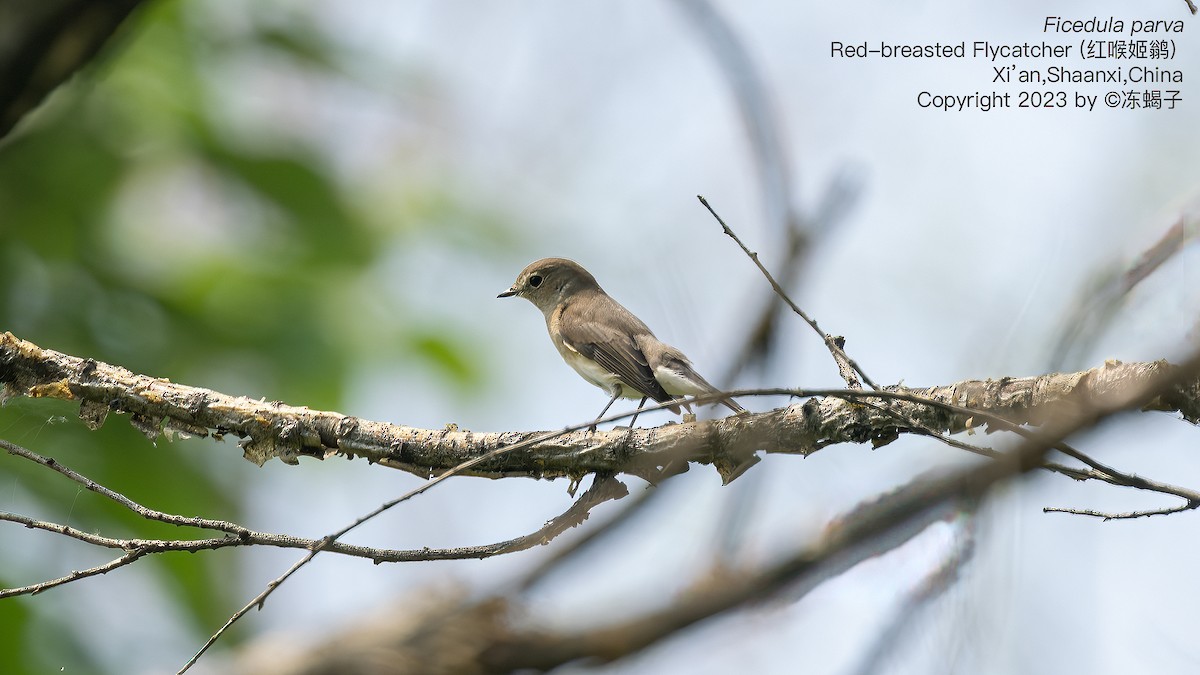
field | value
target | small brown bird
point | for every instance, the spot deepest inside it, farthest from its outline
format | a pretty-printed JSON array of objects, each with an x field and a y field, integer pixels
[{"x": 604, "y": 342}]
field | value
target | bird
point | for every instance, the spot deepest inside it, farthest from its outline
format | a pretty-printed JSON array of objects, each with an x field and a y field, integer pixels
[{"x": 604, "y": 342}]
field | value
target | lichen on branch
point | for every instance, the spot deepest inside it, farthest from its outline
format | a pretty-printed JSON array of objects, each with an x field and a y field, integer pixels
[{"x": 272, "y": 429}]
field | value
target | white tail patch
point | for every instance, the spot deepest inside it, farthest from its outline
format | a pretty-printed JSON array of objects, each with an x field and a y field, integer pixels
[{"x": 679, "y": 384}]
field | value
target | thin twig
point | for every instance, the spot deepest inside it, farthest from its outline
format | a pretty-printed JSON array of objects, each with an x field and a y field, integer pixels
[
  {"x": 1099, "y": 471},
  {"x": 588, "y": 538},
  {"x": 793, "y": 232},
  {"x": 1122, "y": 516},
  {"x": 261, "y": 598},
  {"x": 147, "y": 513},
  {"x": 1131, "y": 480},
  {"x": 1191, "y": 498},
  {"x": 757, "y": 341},
  {"x": 34, "y": 589},
  {"x": 602, "y": 490},
  {"x": 847, "y": 368}
]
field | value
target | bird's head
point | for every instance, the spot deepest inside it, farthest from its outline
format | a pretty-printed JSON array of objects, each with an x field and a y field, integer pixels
[{"x": 549, "y": 281}]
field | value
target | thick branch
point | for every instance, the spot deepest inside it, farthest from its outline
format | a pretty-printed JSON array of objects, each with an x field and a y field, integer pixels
[
  {"x": 272, "y": 429},
  {"x": 481, "y": 633}
]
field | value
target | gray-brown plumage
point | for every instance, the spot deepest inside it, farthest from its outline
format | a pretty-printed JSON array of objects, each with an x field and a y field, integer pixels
[{"x": 604, "y": 342}]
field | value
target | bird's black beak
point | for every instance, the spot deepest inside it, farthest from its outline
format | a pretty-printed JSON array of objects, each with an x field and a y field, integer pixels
[{"x": 507, "y": 294}]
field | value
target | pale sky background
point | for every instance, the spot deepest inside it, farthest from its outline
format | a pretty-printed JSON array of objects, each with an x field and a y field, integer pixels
[{"x": 595, "y": 124}]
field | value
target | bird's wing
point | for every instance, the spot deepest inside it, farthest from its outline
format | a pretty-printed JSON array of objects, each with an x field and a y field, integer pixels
[
  {"x": 613, "y": 349},
  {"x": 675, "y": 373}
]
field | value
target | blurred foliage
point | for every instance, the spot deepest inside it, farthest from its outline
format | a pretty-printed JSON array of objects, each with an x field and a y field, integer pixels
[{"x": 145, "y": 222}]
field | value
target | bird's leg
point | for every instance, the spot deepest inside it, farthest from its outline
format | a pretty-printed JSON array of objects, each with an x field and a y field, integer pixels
[
  {"x": 615, "y": 396},
  {"x": 639, "y": 411}
]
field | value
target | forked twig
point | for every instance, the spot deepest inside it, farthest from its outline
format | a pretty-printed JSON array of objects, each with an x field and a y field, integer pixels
[
  {"x": 603, "y": 489},
  {"x": 261, "y": 598}
]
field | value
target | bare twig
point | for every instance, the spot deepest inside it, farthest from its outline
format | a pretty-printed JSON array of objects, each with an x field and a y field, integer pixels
[
  {"x": 749, "y": 90},
  {"x": 261, "y": 598},
  {"x": 586, "y": 540},
  {"x": 34, "y": 589},
  {"x": 603, "y": 489},
  {"x": 1147, "y": 263},
  {"x": 794, "y": 233},
  {"x": 1122, "y": 516},
  {"x": 1099, "y": 472},
  {"x": 758, "y": 339},
  {"x": 1191, "y": 498},
  {"x": 147, "y": 513},
  {"x": 847, "y": 368}
]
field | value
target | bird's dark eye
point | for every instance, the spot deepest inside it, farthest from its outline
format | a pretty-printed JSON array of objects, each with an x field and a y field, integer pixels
[{"x": 535, "y": 280}]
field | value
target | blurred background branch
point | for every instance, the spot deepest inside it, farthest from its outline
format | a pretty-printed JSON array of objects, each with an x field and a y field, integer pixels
[
  {"x": 1099, "y": 303},
  {"x": 42, "y": 44}
]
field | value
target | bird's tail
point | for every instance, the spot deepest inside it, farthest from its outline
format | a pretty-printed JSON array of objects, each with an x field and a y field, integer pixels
[
  {"x": 688, "y": 381},
  {"x": 732, "y": 405},
  {"x": 728, "y": 401}
]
